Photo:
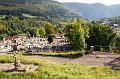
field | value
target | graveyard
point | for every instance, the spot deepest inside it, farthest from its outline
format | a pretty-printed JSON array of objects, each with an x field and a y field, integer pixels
[{"x": 35, "y": 44}]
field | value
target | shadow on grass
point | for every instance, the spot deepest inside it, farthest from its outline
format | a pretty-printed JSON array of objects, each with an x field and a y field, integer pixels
[
  {"x": 115, "y": 64},
  {"x": 71, "y": 56},
  {"x": 14, "y": 70}
]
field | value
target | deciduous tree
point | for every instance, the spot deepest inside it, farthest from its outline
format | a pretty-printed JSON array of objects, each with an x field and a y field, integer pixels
[{"x": 75, "y": 31}]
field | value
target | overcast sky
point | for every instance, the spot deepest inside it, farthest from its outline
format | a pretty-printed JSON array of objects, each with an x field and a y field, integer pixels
[{"x": 106, "y": 2}]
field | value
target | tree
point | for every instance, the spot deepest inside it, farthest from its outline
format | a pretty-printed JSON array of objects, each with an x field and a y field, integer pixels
[
  {"x": 60, "y": 27},
  {"x": 102, "y": 35},
  {"x": 117, "y": 48},
  {"x": 2, "y": 27},
  {"x": 118, "y": 41},
  {"x": 49, "y": 28},
  {"x": 1, "y": 37},
  {"x": 75, "y": 31},
  {"x": 50, "y": 38},
  {"x": 34, "y": 32},
  {"x": 42, "y": 32}
]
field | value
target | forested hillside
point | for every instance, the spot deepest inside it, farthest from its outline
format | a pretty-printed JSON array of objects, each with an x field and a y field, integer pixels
[
  {"x": 39, "y": 8},
  {"x": 22, "y": 16}
]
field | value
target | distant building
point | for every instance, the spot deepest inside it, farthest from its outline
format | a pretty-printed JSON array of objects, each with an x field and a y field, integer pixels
[
  {"x": 7, "y": 39},
  {"x": 106, "y": 22}
]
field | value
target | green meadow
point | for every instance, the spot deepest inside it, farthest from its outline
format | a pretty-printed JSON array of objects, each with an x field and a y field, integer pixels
[{"x": 53, "y": 70}]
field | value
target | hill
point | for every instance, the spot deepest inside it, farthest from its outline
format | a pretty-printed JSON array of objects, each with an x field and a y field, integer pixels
[
  {"x": 95, "y": 11},
  {"x": 43, "y": 8},
  {"x": 21, "y": 16}
]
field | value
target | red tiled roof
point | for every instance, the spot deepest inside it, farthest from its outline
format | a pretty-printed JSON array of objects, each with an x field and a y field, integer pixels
[{"x": 10, "y": 38}]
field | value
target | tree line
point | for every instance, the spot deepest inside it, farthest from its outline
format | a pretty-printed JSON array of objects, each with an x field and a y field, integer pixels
[{"x": 81, "y": 34}]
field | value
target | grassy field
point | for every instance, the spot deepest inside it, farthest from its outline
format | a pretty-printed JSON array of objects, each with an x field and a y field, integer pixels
[{"x": 52, "y": 70}]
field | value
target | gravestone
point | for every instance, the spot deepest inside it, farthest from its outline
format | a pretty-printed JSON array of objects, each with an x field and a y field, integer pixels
[
  {"x": 91, "y": 49},
  {"x": 29, "y": 49}
]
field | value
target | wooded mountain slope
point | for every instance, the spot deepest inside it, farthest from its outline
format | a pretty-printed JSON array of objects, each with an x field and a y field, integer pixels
[{"x": 43, "y": 8}]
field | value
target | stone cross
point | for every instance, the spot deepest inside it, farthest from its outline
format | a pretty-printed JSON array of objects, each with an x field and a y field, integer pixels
[{"x": 16, "y": 62}]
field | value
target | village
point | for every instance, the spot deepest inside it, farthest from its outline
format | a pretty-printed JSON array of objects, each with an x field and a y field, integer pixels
[{"x": 116, "y": 26}]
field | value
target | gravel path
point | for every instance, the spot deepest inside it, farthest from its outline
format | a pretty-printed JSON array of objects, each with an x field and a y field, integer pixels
[{"x": 90, "y": 60}]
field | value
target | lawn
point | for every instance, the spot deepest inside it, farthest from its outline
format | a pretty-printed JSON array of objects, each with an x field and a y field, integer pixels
[{"x": 52, "y": 70}]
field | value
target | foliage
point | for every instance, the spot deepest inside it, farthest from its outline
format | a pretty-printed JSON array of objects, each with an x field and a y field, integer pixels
[
  {"x": 1, "y": 37},
  {"x": 34, "y": 32},
  {"x": 12, "y": 25},
  {"x": 60, "y": 27},
  {"x": 42, "y": 32},
  {"x": 19, "y": 16},
  {"x": 2, "y": 27},
  {"x": 75, "y": 31},
  {"x": 49, "y": 28},
  {"x": 117, "y": 48},
  {"x": 118, "y": 41},
  {"x": 36, "y": 8},
  {"x": 50, "y": 38},
  {"x": 102, "y": 35}
]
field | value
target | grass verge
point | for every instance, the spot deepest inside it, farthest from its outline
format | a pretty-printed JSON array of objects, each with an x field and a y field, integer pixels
[{"x": 52, "y": 70}]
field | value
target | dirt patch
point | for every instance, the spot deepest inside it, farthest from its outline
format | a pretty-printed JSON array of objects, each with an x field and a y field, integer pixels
[
  {"x": 9, "y": 67},
  {"x": 89, "y": 60}
]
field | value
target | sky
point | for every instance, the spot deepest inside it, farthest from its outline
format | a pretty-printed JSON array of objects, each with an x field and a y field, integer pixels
[{"x": 106, "y": 2}]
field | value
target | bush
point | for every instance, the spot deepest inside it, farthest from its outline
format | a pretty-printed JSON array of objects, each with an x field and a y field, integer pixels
[
  {"x": 51, "y": 38},
  {"x": 101, "y": 49},
  {"x": 1, "y": 37},
  {"x": 42, "y": 32},
  {"x": 34, "y": 32}
]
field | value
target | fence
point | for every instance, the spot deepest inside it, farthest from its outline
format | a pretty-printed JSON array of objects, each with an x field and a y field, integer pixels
[{"x": 105, "y": 49}]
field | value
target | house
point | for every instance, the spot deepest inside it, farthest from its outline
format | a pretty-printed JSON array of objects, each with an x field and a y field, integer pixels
[{"x": 9, "y": 39}]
